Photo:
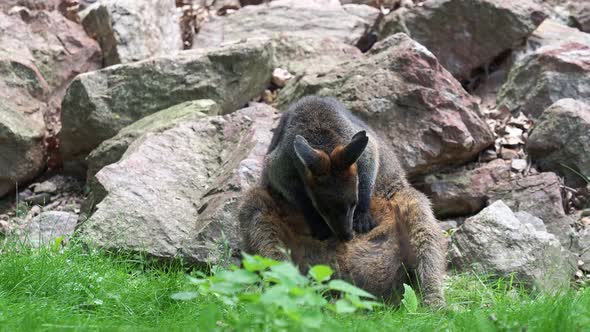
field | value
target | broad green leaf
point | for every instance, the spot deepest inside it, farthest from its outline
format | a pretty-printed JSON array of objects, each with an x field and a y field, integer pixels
[
  {"x": 226, "y": 287},
  {"x": 347, "y": 288},
  {"x": 410, "y": 301},
  {"x": 257, "y": 263},
  {"x": 287, "y": 274},
  {"x": 362, "y": 304},
  {"x": 249, "y": 297},
  {"x": 184, "y": 296},
  {"x": 312, "y": 320},
  {"x": 239, "y": 276},
  {"x": 343, "y": 306},
  {"x": 321, "y": 273}
]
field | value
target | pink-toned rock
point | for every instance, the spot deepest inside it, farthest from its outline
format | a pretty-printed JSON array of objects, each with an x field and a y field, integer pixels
[
  {"x": 466, "y": 34},
  {"x": 38, "y": 58},
  {"x": 545, "y": 76},
  {"x": 402, "y": 91},
  {"x": 463, "y": 192}
]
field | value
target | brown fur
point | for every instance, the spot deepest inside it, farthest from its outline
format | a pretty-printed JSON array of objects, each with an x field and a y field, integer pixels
[{"x": 406, "y": 243}]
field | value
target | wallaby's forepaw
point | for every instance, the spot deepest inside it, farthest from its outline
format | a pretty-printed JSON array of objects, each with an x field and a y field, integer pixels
[{"x": 363, "y": 222}]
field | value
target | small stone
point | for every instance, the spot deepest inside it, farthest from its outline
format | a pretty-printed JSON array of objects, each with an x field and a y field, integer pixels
[
  {"x": 579, "y": 274},
  {"x": 38, "y": 199},
  {"x": 280, "y": 77},
  {"x": 34, "y": 211},
  {"x": 519, "y": 165},
  {"x": 521, "y": 121},
  {"x": 446, "y": 225},
  {"x": 585, "y": 212},
  {"x": 488, "y": 155},
  {"x": 23, "y": 195},
  {"x": 45, "y": 187},
  {"x": 580, "y": 262},
  {"x": 508, "y": 154},
  {"x": 5, "y": 227},
  {"x": 268, "y": 96}
]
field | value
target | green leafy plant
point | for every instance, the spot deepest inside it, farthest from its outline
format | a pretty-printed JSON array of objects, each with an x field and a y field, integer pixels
[
  {"x": 410, "y": 301},
  {"x": 279, "y": 294}
]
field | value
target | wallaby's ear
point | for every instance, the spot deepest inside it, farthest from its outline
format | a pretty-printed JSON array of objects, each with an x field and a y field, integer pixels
[
  {"x": 316, "y": 161},
  {"x": 349, "y": 154}
]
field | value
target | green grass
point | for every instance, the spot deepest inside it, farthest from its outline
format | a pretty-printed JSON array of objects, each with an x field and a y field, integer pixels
[{"x": 81, "y": 290}]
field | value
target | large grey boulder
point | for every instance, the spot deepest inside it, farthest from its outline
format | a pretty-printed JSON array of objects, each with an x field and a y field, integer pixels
[
  {"x": 496, "y": 242},
  {"x": 300, "y": 18},
  {"x": 305, "y": 55},
  {"x": 545, "y": 76},
  {"x": 111, "y": 150},
  {"x": 561, "y": 138},
  {"x": 99, "y": 104},
  {"x": 130, "y": 30},
  {"x": 466, "y": 34},
  {"x": 175, "y": 193},
  {"x": 401, "y": 90},
  {"x": 38, "y": 57}
]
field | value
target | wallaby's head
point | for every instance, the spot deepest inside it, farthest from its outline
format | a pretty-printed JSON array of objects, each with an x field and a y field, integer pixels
[{"x": 331, "y": 181}]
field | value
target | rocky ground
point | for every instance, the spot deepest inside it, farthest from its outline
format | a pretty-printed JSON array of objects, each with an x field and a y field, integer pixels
[{"x": 140, "y": 124}]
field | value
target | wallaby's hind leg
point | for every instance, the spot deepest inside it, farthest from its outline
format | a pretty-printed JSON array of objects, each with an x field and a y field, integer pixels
[
  {"x": 261, "y": 227},
  {"x": 426, "y": 241}
]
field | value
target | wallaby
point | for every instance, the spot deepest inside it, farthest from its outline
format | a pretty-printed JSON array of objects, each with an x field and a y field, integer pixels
[
  {"x": 324, "y": 160},
  {"x": 315, "y": 147}
]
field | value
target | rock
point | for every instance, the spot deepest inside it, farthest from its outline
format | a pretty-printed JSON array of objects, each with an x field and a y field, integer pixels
[
  {"x": 310, "y": 18},
  {"x": 38, "y": 199},
  {"x": 495, "y": 241},
  {"x": 98, "y": 104},
  {"x": 508, "y": 154},
  {"x": 463, "y": 192},
  {"x": 401, "y": 90},
  {"x": 552, "y": 33},
  {"x": 45, "y": 228},
  {"x": 580, "y": 12},
  {"x": 466, "y": 34},
  {"x": 45, "y": 187},
  {"x": 539, "y": 195},
  {"x": 373, "y": 3},
  {"x": 305, "y": 55},
  {"x": 527, "y": 218},
  {"x": 48, "y": 5},
  {"x": 584, "y": 241},
  {"x": 561, "y": 139},
  {"x": 5, "y": 228},
  {"x": 545, "y": 76},
  {"x": 280, "y": 77},
  {"x": 174, "y": 193},
  {"x": 518, "y": 165},
  {"x": 37, "y": 59},
  {"x": 129, "y": 30},
  {"x": 111, "y": 150},
  {"x": 447, "y": 225}
]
